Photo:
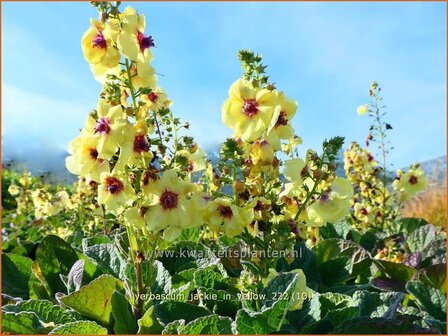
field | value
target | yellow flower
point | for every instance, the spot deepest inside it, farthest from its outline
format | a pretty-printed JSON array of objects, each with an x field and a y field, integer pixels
[
  {"x": 143, "y": 75},
  {"x": 234, "y": 219},
  {"x": 131, "y": 41},
  {"x": 293, "y": 173},
  {"x": 301, "y": 291},
  {"x": 115, "y": 193},
  {"x": 363, "y": 109},
  {"x": 364, "y": 213},
  {"x": 84, "y": 160},
  {"x": 248, "y": 110},
  {"x": 156, "y": 99},
  {"x": 136, "y": 150},
  {"x": 170, "y": 208},
  {"x": 262, "y": 153},
  {"x": 26, "y": 179},
  {"x": 13, "y": 190},
  {"x": 196, "y": 161},
  {"x": 135, "y": 217},
  {"x": 280, "y": 127},
  {"x": 410, "y": 183},
  {"x": 97, "y": 46},
  {"x": 333, "y": 205},
  {"x": 110, "y": 127}
]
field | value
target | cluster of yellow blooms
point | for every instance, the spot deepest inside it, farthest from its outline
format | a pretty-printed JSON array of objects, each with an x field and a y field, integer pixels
[
  {"x": 152, "y": 190},
  {"x": 377, "y": 202},
  {"x": 30, "y": 196}
]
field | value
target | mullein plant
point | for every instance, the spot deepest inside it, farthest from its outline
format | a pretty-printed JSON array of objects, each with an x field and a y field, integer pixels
[
  {"x": 377, "y": 201},
  {"x": 261, "y": 190},
  {"x": 156, "y": 182}
]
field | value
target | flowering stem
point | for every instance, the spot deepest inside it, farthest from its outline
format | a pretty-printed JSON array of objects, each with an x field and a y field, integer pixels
[
  {"x": 138, "y": 271},
  {"x": 131, "y": 87},
  {"x": 308, "y": 197},
  {"x": 382, "y": 146},
  {"x": 103, "y": 212}
]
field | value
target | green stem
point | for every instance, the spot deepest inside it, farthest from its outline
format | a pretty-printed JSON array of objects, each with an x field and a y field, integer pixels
[
  {"x": 382, "y": 136},
  {"x": 310, "y": 194},
  {"x": 131, "y": 87}
]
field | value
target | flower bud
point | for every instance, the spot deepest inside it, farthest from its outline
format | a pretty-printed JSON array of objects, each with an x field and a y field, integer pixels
[{"x": 238, "y": 186}]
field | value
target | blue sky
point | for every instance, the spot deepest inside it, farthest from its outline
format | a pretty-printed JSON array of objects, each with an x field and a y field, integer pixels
[{"x": 325, "y": 55}]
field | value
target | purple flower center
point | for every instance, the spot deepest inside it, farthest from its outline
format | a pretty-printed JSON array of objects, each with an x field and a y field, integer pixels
[
  {"x": 114, "y": 185},
  {"x": 250, "y": 107},
  {"x": 282, "y": 120},
  {"x": 140, "y": 144},
  {"x": 225, "y": 211},
  {"x": 145, "y": 41},
  {"x": 363, "y": 211},
  {"x": 169, "y": 200},
  {"x": 413, "y": 179},
  {"x": 93, "y": 153},
  {"x": 325, "y": 195},
  {"x": 99, "y": 41},
  {"x": 152, "y": 96},
  {"x": 102, "y": 126}
]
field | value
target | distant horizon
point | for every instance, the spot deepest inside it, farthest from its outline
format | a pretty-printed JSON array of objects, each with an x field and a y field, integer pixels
[{"x": 324, "y": 55}]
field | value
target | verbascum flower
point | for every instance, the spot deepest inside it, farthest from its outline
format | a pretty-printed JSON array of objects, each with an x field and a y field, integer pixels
[
  {"x": 362, "y": 109},
  {"x": 410, "y": 183},
  {"x": 135, "y": 216},
  {"x": 156, "y": 100},
  {"x": 333, "y": 204},
  {"x": 131, "y": 41},
  {"x": 143, "y": 75},
  {"x": 233, "y": 219},
  {"x": 97, "y": 46},
  {"x": 280, "y": 126},
  {"x": 135, "y": 152},
  {"x": 364, "y": 213},
  {"x": 301, "y": 291},
  {"x": 293, "y": 173},
  {"x": 197, "y": 161},
  {"x": 13, "y": 190},
  {"x": 84, "y": 160},
  {"x": 110, "y": 128},
  {"x": 26, "y": 179},
  {"x": 262, "y": 153},
  {"x": 249, "y": 110},
  {"x": 115, "y": 192},
  {"x": 170, "y": 207}
]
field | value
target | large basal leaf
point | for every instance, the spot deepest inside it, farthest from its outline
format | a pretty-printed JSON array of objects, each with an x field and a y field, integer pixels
[
  {"x": 80, "y": 328},
  {"x": 373, "y": 304},
  {"x": 184, "y": 255},
  {"x": 54, "y": 257},
  {"x": 124, "y": 320},
  {"x": 170, "y": 311},
  {"x": 148, "y": 324},
  {"x": 306, "y": 261},
  {"x": 429, "y": 299},
  {"x": 341, "y": 260},
  {"x": 273, "y": 313},
  {"x": 46, "y": 311},
  {"x": 95, "y": 299},
  {"x": 407, "y": 225},
  {"x": 220, "y": 302},
  {"x": 435, "y": 276},
  {"x": 395, "y": 271},
  {"x": 208, "y": 325},
  {"x": 108, "y": 259},
  {"x": 16, "y": 272},
  {"x": 23, "y": 323},
  {"x": 403, "y": 324},
  {"x": 421, "y": 239}
]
